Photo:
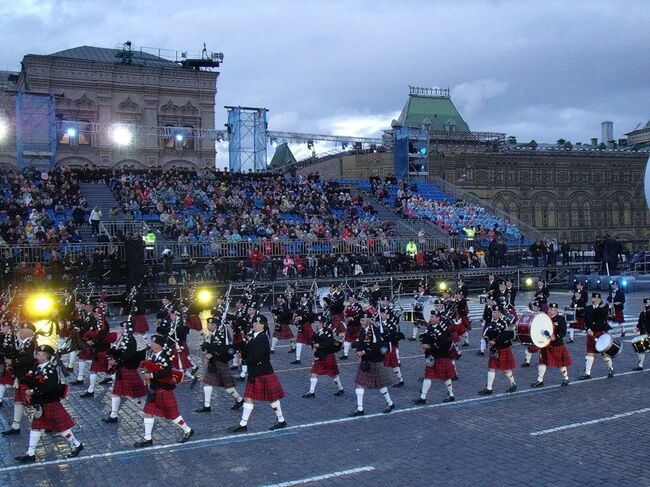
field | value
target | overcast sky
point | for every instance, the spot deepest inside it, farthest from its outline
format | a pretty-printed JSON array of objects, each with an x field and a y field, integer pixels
[{"x": 534, "y": 69}]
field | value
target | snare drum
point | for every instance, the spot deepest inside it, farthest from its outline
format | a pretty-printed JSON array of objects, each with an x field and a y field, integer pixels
[
  {"x": 641, "y": 344},
  {"x": 482, "y": 298},
  {"x": 569, "y": 314},
  {"x": 606, "y": 345},
  {"x": 409, "y": 316}
]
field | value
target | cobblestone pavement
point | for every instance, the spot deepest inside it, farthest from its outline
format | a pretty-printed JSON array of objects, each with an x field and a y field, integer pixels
[{"x": 590, "y": 433}]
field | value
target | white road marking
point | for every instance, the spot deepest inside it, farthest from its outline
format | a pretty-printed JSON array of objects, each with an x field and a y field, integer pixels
[
  {"x": 587, "y": 423},
  {"x": 180, "y": 447},
  {"x": 322, "y": 477}
]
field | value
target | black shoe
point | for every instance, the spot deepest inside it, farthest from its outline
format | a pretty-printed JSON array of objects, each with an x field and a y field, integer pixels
[
  {"x": 76, "y": 383},
  {"x": 238, "y": 429},
  {"x": 340, "y": 392},
  {"x": 512, "y": 389},
  {"x": 0, "y": 404},
  {"x": 570, "y": 340},
  {"x": 419, "y": 400},
  {"x": 105, "y": 380},
  {"x": 485, "y": 392},
  {"x": 565, "y": 382},
  {"x": 194, "y": 370},
  {"x": 480, "y": 354},
  {"x": 143, "y": 443},
  {"x": 637, "y": 368},
  {"x": 465, "y": 345},
  {"x": 69, "y": 369},
  {"x": 309, "y": 395},
  {"x": 449, "y": 399},
  {"x": 356, "y": 412},
  {"x": 278, "y": 425},
  {"x": 186, "y": 436},
  {"x": 610, "y": 373},
  {"x": 622, "y": 334},
  {"x": 194, "y": 381},
  {"x": 76, "y": 451},
  {"x": 234, "y": 367},
  {"x": 203, "y": 409},
  {"x": 389, "y": 408},
  {"x": 87, "y": 394},
  {"x": 399, "y": 384},
  {"x": 241, "y": 379},
  {"x": 295, "y": 362},
  {"x": 525, "y": 364},
  {"x": 26, "y": 458},
  {"x": 11, "y": 431},
  {"x": 110, "y": 419},
  {"x": 343, "y": 357},
  {"x": 272, "y": 352},
  {"x": 584, "y": 377},
  {"x": 537, "y": 383},
  {"x": 291, "y": 350},
  {"x": 237, "y": 405}
]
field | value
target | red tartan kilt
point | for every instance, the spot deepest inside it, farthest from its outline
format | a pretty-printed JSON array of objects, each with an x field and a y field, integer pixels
[
  {"x": 337, "y": 323},
  {"x": 533, "y": 349},
  {"x": 506, "y": 360},
  {"x": 55, "y": 418},
  {"x": 129, "y": 385},
  {"x": 352, "y": 333},
  {"x": 85, "y": 355},
  {"x": 453, "y": 353},
  {"x": 390, "y": 359},
  {"x": 455, "y": 331},
  {"x": 264, "y": 388},
  {"x": 7, "y": 378},
  {"x": 19, "y": 394},
  {"x": 618, "y": 317},
  {"x": 578, "y": 324},
  {"x": 237, "y": 339},
  {"x": 326, "y": 366},
  {"x": 183, "y": 356},
  {"x": 442, "y": 369},
  {"x": 164, "y": 405},
  {"x": 194, "y": 323},
  {"x": 100, "y": 364},
  {"x": 555, "y": 356},
  {"x": 305, "y": 335},
  {"x": 591, "y": 342},
  {"x": 140, "y": 324},
  {"x": 285, "y": 332}
]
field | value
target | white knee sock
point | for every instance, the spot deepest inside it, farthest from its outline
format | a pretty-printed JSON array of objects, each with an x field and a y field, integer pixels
[
  {"x": 82, "y": 369},
  {"x": 93, "y": 381},
  {"x": 397, "y": 354},
  {"x": 19, "y": 409},
  {"x": 337, "y": 383},
  {"x": 359, "y": 392},
  {"x": 115, "y": 405},
  {"x": 244, "y": 371},
  {"x": 541, "y": 370},
  {"x": 274, "y": 342},
  {"x": 482, "y": 345},
  {"x": 415, "y": 331},
  {"x": 426, "y": 385},
  {"x": 181, "y": 422},
  {"x": 70, "y": 438},
  {"x": 510, "y": 376},
  {"x": 346, "y": 348},
  {"x": 278, "y": 410},
  {"x": 641, "y": 359},
  {"x": 34, "y": 438},
  {"x": 529, "y": 356},
  {"x": 564, "y": 372},
  {"x": 148, "y": 428},
  {"x": 247, "y": 409},
  {"x": 207, "y": 395},
  {"x": 608, "y": 361},
  {"x": 384, "y": 392},
  {"x": 490, "y": 379},
  {"x": 571, "y": 333},
  {"x": 450, "y": 387},
  {"x": 466, "y": 337},
  {"x": 233, "y": 392},
  {"x": 72, "y": 356},
  {"x": 312, "y": 384},
  {"x": 398, "y": 373},
  {"x": 298, "y": 350},
  {"x": 589, "y": 362},
  {"x": 3, "y": 388}
]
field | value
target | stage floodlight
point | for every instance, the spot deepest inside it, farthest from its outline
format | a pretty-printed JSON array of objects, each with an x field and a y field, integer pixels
[{"x": 121, "y": 135}]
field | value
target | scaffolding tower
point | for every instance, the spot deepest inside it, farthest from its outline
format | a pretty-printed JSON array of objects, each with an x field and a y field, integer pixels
[
  {"x": 247, "y": 130},
  {"x": 36, "y": 134}
]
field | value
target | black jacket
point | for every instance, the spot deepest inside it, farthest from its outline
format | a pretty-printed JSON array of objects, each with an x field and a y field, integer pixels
[
  {"x": 259, "y": 356},
  {"x": 596, "y": 319}
]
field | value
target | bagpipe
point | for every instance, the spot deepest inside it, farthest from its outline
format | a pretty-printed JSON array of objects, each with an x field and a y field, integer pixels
[{"x": 150, "y": 367}]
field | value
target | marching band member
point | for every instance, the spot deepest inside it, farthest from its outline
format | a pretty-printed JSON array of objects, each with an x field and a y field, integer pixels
[
  {"x": 44, "y": 389},
  {"x": 510, "y": 293},
  {"x": 389, "y": 328},
  {"x": 643, "y": 327},
  {"x": 85, "y": 322},
  {"x": 137, "y": 309},
  {"x": 352, "y": 313},
  {"x": 375, "y": 295},
  {"x": 436, "y": 344},
  {"x": 263, "y": 384},
  {"x": 325, "y": 347},
  {"x": 21, "y": 363},
  {"x": 177, "y": 343},
  {"x": 238, "y": 329},
  {"x": 7, "y": 351},
  {"x": 336, "y": 304},
  {"x": 492, "y": 287},
  {"x": 282, "y": 316},
  {"x": 161, "y": 401},
  {"x": 499, "y": 339},
  {"x": 99, "y": 340},
  {"x": 372, "y": 374},
  {"x": 463, "y": 314},
  {"x": 246, "y": 327},
  {"x": 541, "y": 295},
  {"x": 303, "y": 318},
  {"x": 219, "y": 350},
  {"x": 124, "y": 358},
  {"x": 555, "y": 353},
  {"x": 596, "y": 325},
  {"x": 616, "y": 299},
  {"x": 531, "y": 349},
  {"x": 579, "y": 304},
  {"x": 418, "y": 317},
  {"x": 462, "y": 287},
  {"x": 486, "y": 320}
]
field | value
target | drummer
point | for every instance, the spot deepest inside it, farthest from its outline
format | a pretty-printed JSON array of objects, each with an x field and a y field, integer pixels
[
  {"x": 555, "y": 353},
  {"x": 596, "y": 325},
  {"x": 578, "y": 303},
  {"x": 541, "y": 295},
  {"x": 531, "y": 349},
  {"x": 419, "y": 320},
  {"x": 643, "y": 327}
]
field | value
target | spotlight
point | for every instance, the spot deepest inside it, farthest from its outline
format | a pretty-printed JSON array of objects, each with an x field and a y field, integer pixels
[
  {"x": 71, "y": 132},
  {"x": 204, "y": 297},
  {"x": 624, "y": 283},
  {"x": 528, "y": 282},
  {"x": 442, "y": 286},
  {"x": 179, "y": 137},
  {"x": 611, "y": 282},
  {"x": 4, "y": 129},
  {"x": 121, "y": 135},
  {"x": 423, "y": 151},
  {"x": 40, "y": 305}
]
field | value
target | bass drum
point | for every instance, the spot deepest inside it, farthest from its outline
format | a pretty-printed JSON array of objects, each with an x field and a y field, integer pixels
[
  {"x": 321, "y": 294},
  {"x": 541, "y": 330},
  {"x": 423, "y": 307},
  {"x": 524, "y": 322}
]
